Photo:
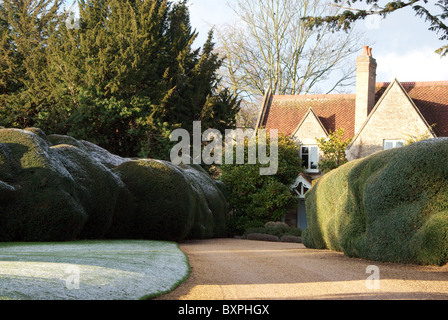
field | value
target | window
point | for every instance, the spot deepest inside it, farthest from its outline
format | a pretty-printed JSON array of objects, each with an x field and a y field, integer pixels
[
  {"x": 310, "y": 158},
  {"x": 390, "y": 144}
]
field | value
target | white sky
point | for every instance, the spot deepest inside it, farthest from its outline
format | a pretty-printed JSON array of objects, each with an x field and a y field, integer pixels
[{"x": 402, "y": 44}]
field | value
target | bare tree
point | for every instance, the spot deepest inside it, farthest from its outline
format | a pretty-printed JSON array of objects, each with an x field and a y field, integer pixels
[
  {"x": 248, "y": 114},
  {"x": 271, "y": 46}
]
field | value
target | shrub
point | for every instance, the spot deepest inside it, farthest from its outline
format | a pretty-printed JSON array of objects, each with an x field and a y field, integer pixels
[
  {"x": 44, "y": 206},
  {"x": 203, "y": 223},
  {"x": 278, "y": 229},
  {"x": 255, "y": 199},
  {"x": 262, "y": 237},
  {"x": 7, "y": 193},
  {"x": 390, "y": 206},
  {"x": 164, "y": 200},
  {"x": 212, "y": 207},
  {"x": 96, "y": 188},
  {"x": 124, "y": 217},
  {"x": 56, "y": 139},
  {"x": 56, "y": 188},
  {"x": 333, "y": 149},
  {"x": 277, "y": 226},
  {"x": 288, "y": 238}
]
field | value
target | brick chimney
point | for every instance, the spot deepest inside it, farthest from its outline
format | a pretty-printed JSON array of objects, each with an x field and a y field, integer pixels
[{"x": 365, "y": 86}]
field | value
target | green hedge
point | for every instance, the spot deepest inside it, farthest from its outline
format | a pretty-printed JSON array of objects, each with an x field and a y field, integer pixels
[
  {"x": 44, "y": 206},
  {"x": 56, "y": 188},
  {"x": 390, "y": 206},
  {"x": 96, "y": 189},
  {"x": 165, "y": 203},
  {"x": 277, "y": 228},
  {"x": 212, "y": 203}
]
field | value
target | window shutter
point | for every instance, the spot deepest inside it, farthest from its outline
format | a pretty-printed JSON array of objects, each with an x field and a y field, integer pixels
[{"x": 314, "y": 157}]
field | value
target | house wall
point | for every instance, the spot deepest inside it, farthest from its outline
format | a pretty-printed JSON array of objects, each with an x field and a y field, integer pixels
[
  {"x": 309, "y": 131},
  {"x": 394, "y": 118}
]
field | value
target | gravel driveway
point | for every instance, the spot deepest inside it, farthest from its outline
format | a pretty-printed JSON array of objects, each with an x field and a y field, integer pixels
[{"x": 227, "y": 269}]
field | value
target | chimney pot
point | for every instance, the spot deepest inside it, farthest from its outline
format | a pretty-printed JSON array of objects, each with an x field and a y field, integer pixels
[{"x": 367, "y": 51}]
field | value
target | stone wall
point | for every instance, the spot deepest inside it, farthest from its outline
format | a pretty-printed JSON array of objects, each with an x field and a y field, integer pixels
[
  {"x": 309, "y": 130},
  {"x": 395, "y": 118}
]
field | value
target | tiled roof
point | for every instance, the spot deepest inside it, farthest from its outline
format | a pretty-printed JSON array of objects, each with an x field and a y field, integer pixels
[
  {"x": 334, "y": 111},
  {"x": 284, "y": 112}
]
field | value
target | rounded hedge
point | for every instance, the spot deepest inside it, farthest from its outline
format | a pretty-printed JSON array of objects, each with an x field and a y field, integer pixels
[
  {"x": 44, "y": 206},
  {"x": 390, "y": 206},
  {"x": 56, "y": 188},
  {"x": 203, "y": 224},
  {"x": 165, "y": 202},
  {"x": 96, "y": 189},
  {"x": 212, "y": 201}
]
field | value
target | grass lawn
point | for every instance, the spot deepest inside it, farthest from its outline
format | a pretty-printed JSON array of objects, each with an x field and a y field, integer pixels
[{"x": 90, "y": 270}]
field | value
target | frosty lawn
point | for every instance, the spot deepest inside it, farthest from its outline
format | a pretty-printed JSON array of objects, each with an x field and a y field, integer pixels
[{"x": 90, "y": 270}]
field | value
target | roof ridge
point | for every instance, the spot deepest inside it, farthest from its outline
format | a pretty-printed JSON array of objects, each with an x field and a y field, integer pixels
[
  {"x": 315, "y": 96},
  {"x": 414, "y": 83}
]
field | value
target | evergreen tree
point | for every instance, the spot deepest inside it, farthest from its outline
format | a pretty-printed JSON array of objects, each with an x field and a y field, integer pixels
[
  {"x": 124, "y": 79},
  {"x": 117, "y": 76},
  {"x": 145, "y": 79},
  {"x": 24, "y": 30}
]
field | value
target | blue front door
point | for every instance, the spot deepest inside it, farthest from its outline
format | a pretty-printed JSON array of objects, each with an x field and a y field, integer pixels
[{"x": 301, "y": 215}]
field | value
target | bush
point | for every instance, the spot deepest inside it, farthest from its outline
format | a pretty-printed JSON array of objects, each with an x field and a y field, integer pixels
[
  {"x": 45, "y": 205},
  {"x": 56, "y": 188},
  {"x": 287, "y": 238},
  {"x": 212, "y": 207},
  {"x": 255, "y": 199},
  {"x": 7, "y": 193},
  {"x": 333, "y": 149},
  {"x": 124, "y": 217},
  {"x": 390, "y": 206},
  {"x": 95, "y": 187},
  {"x": 165, "y": 202},
  {"x": 56, "y": 139},
  {"x": 262, "y": 237},
  {"x": 278, "y": 229}
]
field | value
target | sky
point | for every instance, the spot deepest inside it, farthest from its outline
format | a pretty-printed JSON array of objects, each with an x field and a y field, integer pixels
[{"x": 401, "y": 43}]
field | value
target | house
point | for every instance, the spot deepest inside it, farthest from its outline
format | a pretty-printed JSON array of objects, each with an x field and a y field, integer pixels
[{"x": 379, "y": 116}]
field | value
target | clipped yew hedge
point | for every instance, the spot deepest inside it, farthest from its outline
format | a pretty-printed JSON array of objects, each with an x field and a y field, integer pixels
[
  {"x": 43, "y": 205},
  {"x": 56, "y": 188},
  {"x": 165, "y": 202},
  {"x": 211, "y": 203},
  {"x": 391, "y": 206},
  {"x": 95, "y": 188}
]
